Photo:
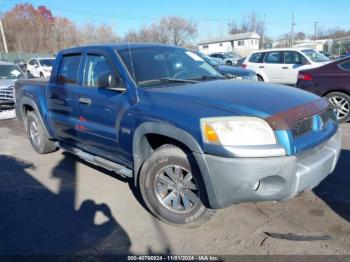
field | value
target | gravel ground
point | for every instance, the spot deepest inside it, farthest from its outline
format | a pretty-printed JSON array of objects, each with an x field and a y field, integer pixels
[{"x": 59, "y": 204}]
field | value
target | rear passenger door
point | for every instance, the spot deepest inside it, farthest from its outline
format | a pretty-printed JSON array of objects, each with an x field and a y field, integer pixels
[
  {"x": 273, "y": 64},
  {"x": 61, "y": 100},
  {"x": 293, "y": 63},
  {"x": 100, "y": 109}
]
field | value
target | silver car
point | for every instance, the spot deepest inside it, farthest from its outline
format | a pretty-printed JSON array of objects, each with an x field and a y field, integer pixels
[{"x": 9, "y": 74}]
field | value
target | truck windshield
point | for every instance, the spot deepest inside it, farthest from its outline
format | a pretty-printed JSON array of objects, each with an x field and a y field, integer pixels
[
  {"x": 149, "y": 66},
  {"x": 46, "y": 62},
  {"x": 10, "y": 72},
  {"x": 315, "y": 56}
]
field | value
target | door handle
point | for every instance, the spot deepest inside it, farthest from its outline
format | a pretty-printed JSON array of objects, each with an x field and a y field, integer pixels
[
  {"x": 285, "y": 67},
  {"x": 261, "y": 66},
  {"x": 85, "y": 101}
]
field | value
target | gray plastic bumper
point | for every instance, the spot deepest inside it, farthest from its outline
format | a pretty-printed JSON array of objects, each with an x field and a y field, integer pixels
[{"x": 236, "y": 180}]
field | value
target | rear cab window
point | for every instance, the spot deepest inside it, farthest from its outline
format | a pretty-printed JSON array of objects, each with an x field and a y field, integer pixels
[
  {"x": 68, "y": 71},
  {"x": 256, "y": 58}
]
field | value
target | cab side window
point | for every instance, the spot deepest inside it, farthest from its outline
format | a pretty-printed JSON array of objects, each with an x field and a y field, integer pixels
[
  {"x": 274, "y": 58},
  {"x": 68, "y": 70},
  {"x": 95, "y": 65}
]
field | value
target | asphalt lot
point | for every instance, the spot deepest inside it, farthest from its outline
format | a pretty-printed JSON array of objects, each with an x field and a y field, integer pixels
[{"x": 59, "y": 204}]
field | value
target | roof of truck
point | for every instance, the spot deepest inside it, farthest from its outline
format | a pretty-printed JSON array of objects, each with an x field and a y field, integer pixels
[{"x": 114, "y": 46}]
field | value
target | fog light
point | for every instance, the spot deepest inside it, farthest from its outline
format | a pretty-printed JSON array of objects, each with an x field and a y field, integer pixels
[{"x": 256, "y": 186}]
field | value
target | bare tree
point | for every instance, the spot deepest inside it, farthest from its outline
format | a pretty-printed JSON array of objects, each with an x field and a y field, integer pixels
[{"x": 169, "y": 30}]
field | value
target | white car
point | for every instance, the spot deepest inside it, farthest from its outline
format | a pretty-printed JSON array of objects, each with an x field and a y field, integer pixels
[
  {"x": 40, "y": 67},
  {"x": 227, "y": 58},
  {"x": 282, "y": 65}
]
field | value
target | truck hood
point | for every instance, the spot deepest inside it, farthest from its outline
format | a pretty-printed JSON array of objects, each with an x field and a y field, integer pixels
[{"x": 237, "y": 97}]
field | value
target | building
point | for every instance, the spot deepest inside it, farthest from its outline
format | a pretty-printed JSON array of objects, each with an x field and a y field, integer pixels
[{"x": 243, "y": 44}]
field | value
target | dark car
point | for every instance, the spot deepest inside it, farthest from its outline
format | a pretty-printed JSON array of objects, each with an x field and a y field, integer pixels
[
  {"x": 331, "y": 81},
  {"x": 230, "y": 71}
]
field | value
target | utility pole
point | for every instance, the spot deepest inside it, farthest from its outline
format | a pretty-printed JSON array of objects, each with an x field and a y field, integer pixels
[
  {"x": 315, "y": 24},
  {"x": 3, "y": 36},
  {"x": 263, "y": 34},
  {"x": 292, "y": 32}
]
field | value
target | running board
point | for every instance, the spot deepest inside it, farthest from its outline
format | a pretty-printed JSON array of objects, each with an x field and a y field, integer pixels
[{"x": 96, "y": 160}]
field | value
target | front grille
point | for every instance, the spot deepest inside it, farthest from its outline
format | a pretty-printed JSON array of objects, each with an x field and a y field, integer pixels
[
  {"x": 301, "y": 127},
  {"x": 6, "y": 94},
  {"x": 305, "y": 125}
]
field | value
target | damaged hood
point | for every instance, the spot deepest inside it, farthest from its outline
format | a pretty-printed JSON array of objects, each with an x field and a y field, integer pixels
[{"x": 237, "y": 97}]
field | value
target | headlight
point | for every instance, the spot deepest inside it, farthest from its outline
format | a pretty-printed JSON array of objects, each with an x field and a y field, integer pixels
[{"x": 237, "y": 131}]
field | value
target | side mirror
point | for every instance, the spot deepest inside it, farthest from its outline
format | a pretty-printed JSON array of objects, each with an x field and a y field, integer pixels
[{"x": 108, "y": 80}]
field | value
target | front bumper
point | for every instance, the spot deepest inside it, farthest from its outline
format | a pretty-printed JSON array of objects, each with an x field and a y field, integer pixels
[{"x": 236, "y": 180}]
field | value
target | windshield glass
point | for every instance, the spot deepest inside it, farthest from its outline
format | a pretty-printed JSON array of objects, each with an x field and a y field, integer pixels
[
  {"x": 10, "y": 72},
  {"x": 46, "y": 62},
  {"x": 147, "y": 64},
  {"x": 315, "y": 56}
]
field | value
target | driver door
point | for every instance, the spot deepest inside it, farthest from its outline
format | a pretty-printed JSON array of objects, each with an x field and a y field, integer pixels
[{"x": 100, "y": 109}]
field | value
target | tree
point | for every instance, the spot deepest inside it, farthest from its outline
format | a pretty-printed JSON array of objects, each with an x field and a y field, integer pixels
[
  {"x": 299, "y": 36},
  {"x": 250, "y": 23},
  {"x": 30, "y": 29},
  {"x": 172, "y": 30}
]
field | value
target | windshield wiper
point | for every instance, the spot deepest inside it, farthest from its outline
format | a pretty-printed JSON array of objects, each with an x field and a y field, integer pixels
[
  {"x": 166, "y": 80},
  {"x": 206, "y": 78}
]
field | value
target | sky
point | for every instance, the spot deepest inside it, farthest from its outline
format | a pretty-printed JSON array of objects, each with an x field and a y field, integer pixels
[{"x": 211, "y": 16}]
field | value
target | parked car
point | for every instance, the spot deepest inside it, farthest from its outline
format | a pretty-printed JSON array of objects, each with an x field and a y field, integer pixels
[
  {"x": 9, "y": 74},
  {"x": 331, "y": 81},
  {"x": 228, "y": 58},
  {"x": 22, "y": 64},
  {"x": 40, "y": 67},
  {"x": 229, "y": 71},
  {"x": 240, "y": 62},
  {"x": 189, "y": 140},
  {"x": 282, "y": 65}
]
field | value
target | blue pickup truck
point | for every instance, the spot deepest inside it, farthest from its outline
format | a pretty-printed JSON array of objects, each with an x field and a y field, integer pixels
[{"x": 191, "y": 141}]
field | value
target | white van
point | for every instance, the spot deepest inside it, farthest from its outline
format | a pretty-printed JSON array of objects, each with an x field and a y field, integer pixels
[{"x": 283, "y": 64}]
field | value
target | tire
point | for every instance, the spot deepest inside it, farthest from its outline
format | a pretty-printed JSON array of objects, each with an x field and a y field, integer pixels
[
  {"x": 260, "y": 79},
  {"x": 229, "y": 63},
  {"x": 341, "y": 102},
  {"x": 37, "y": 136},
  {"x": 166, "y": 160},
  {"x": 41, "y": 75}
]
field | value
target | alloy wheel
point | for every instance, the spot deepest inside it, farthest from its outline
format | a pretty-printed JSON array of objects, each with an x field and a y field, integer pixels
[
  {"x": 176, "y": 189},
  {"x": 341, "y": 106}
]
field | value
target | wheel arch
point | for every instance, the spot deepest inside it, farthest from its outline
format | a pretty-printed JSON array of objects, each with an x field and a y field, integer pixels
[
  {"x": 26, "y": 105},
  {"x": 149, "y": 136}
]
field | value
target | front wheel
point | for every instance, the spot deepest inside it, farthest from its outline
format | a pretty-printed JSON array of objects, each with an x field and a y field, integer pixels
[
  {"x": 172, "y": 188},
  {"x": 341, "y": 103}
]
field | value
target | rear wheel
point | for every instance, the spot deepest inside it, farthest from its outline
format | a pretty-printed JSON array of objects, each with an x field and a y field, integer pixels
[
  {"x": 229, "y": 63},
  {"x": 41, "y": 75},
  {"x": 341, "y": 103},
  {"x": 37, "y": 136},
  {"x": 172, "y": 188}
]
